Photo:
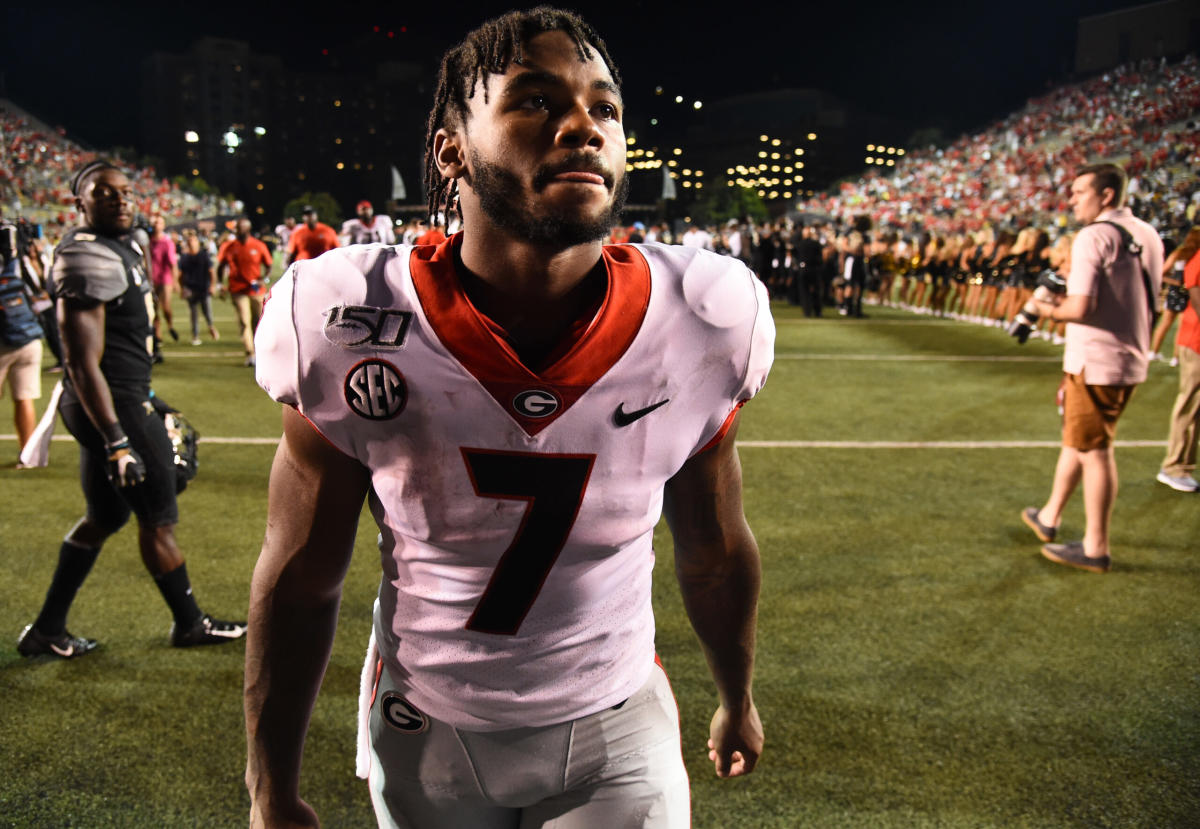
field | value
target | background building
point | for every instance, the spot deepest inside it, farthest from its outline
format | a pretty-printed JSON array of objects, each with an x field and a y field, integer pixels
[{"x": 248, "y": 125}]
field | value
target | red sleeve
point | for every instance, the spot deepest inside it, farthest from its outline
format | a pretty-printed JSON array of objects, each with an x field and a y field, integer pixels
[
  {"x": 1191, "y": 272},
  {"x": 221, "y": 257}
]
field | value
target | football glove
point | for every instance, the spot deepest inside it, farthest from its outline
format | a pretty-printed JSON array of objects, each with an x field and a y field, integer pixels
[{"x": 125, "y": 467}]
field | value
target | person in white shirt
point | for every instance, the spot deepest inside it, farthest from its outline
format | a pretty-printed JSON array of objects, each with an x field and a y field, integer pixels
[{"x": 697, "y": 237}]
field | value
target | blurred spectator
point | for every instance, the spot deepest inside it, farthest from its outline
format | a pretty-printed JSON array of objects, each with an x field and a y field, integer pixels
[
  {"x": 164, "y": 274},
  {"x": 198, "y": 279},
  {"x": 1179, "y": 465},
  {"x": 312, "y": 238},
  {"x": 246, "y": 262}
]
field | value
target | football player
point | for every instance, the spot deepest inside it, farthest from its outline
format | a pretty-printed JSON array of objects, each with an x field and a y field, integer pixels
[
  {"x": 519, "y": 404},
  {"x": 367, "y": 228},
  {"x": 126, "y": 460}
]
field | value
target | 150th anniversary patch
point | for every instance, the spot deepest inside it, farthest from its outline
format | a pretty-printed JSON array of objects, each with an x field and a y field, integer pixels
[
  {"x": 375, "y": 389},
  {"x": 355, "y": 325}
]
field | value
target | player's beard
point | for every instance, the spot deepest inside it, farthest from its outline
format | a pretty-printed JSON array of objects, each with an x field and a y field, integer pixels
[{"x": 500, "y": 198}]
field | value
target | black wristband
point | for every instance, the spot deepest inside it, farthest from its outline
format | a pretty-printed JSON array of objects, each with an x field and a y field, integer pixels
[{"x": 114, "y": 435}]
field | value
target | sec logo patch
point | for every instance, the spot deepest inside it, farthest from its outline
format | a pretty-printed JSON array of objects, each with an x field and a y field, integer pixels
[
  {"x": 536, "y": 403},
  {"x": 401, "y": 714},
  {"x": 375, "y": 389}
]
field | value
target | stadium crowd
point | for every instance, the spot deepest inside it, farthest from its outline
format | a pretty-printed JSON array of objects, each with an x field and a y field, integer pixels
[{"x": 38, "y": 162}]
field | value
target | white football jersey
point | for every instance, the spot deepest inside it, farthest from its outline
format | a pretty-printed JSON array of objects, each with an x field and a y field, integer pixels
[
  {"x": 354, "y": 232},
  {"x": 516, "y": 507}
]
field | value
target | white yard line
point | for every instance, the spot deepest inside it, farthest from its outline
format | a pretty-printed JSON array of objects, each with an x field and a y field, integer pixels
[
  {"x": 770, "y": 444},
  {"x": 928, "y": 444},
  {"x": 926, "y": 358}
]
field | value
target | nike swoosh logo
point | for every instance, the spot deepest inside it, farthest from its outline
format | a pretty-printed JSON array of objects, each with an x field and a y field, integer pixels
[
  {"x": 233, "y": 633},
  {"x": 65, "y": 653},
  {"x": 624, "y": 418}
]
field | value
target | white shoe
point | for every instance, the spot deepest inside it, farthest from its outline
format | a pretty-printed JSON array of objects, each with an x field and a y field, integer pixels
[
  {"x": 1174, "y": 362},
  {"x": 1059, "y": 339},
  {"x": 1183, "y": 483},
  {"x": 196, "y": 341}
]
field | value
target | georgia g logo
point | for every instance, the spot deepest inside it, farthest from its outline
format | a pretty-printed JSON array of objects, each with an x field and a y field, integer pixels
[
  {"x": 535, "y": 403},
  {"x": 375, "y": 389},
  {"x": 401, "y": 714}
]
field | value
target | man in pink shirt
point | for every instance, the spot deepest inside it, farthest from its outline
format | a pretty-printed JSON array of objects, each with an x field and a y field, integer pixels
[{"x": 1113, "y": 281}]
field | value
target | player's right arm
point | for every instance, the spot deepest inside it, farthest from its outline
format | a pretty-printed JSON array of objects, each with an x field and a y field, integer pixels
[{"x": 315, "y": 497}]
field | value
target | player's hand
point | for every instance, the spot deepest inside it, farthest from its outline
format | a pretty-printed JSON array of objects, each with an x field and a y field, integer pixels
[
  {"x": 735, "y": 741},
  {"x": 298, "y": 815},
  {"x": 124, "y": 466}
]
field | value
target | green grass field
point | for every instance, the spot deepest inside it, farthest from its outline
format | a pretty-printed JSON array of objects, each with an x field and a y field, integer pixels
[{"x": 920, "y": 665}]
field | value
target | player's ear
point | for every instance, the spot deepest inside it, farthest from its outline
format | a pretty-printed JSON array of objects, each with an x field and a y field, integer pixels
[{"x": 449, "y": 153}]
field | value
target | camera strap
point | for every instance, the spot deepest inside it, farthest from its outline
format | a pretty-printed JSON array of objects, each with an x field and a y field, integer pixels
[{"x": 1131, "y": 247}]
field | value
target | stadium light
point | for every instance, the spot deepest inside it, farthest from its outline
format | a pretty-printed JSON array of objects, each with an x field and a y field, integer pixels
[
  {"x": 697, "y": 104},
  {"x": 870, "y": 159},
  {"x": 799, "y": 151},
  {"x": 231, "y": 140},
  {"x": 677, "y": 151},
  {"x": 812, "y": 136},
  {"x": 260, "y": 131},
  {"x": 191, "y": 136},
  {"x": 899, "y": 152},
  {"x": 775, "y": 142},
  {"x": 654, "y": 122},
  {"x": 679, "y": 99},
  {"x": 762, "y": 153},
  {"x": 631, "y": 140},
  {"x": 762, "y": 138},
  {"x": 870, "y": 148}
]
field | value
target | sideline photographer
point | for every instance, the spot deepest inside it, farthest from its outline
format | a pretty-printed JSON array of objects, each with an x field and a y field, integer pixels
[
  {"x": 1109, "y": 308},
  {"x": 20, "y": 333}
]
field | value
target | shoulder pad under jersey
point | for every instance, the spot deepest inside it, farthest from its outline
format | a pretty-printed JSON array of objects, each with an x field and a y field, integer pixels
[{"x": 87, "y": 269}]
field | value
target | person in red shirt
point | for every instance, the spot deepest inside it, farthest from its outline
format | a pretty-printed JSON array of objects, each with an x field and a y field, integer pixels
[
  {"x": 247, "y": 262},
  {"x": 1179, "y": 466},
  {"x": 312, "y": 238}
]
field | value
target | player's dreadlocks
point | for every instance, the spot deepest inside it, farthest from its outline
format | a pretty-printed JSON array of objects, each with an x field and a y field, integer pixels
[{"x": 489, "y": 50}]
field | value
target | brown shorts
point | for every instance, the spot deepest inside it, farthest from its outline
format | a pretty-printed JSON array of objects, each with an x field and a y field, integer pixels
[{"x": 1090, "y": 412}]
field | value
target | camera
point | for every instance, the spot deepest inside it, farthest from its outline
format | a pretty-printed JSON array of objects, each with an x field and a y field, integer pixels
[
  {"x": 16, "y": 237},
  {"x": 1049, "y": 285}
]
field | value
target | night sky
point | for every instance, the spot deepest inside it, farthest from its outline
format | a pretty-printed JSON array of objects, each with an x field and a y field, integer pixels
[{"x": 946, "y": 64}]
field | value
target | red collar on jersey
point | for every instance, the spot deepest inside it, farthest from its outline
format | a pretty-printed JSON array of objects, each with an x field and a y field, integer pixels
[{"x": 533, "y": 400}]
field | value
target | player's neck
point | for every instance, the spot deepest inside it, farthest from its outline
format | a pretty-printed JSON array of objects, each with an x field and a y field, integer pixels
[
  {"x": 536, "y": 305},
  {"x": 524, "y": 271}
]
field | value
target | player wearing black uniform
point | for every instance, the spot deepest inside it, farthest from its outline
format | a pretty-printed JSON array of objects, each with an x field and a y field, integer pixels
[{"x": 126, "y": 458}]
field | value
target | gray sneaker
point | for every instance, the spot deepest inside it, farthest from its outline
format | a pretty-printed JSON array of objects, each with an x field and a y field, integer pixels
[
  {"x": 1030, "y": 516},
  {"x": 1071, "y": 554},
  {"x": 1183, "y": 483}
]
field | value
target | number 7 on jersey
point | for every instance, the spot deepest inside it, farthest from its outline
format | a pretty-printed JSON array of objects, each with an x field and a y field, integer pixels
[{"x": 553, "y": 486}]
